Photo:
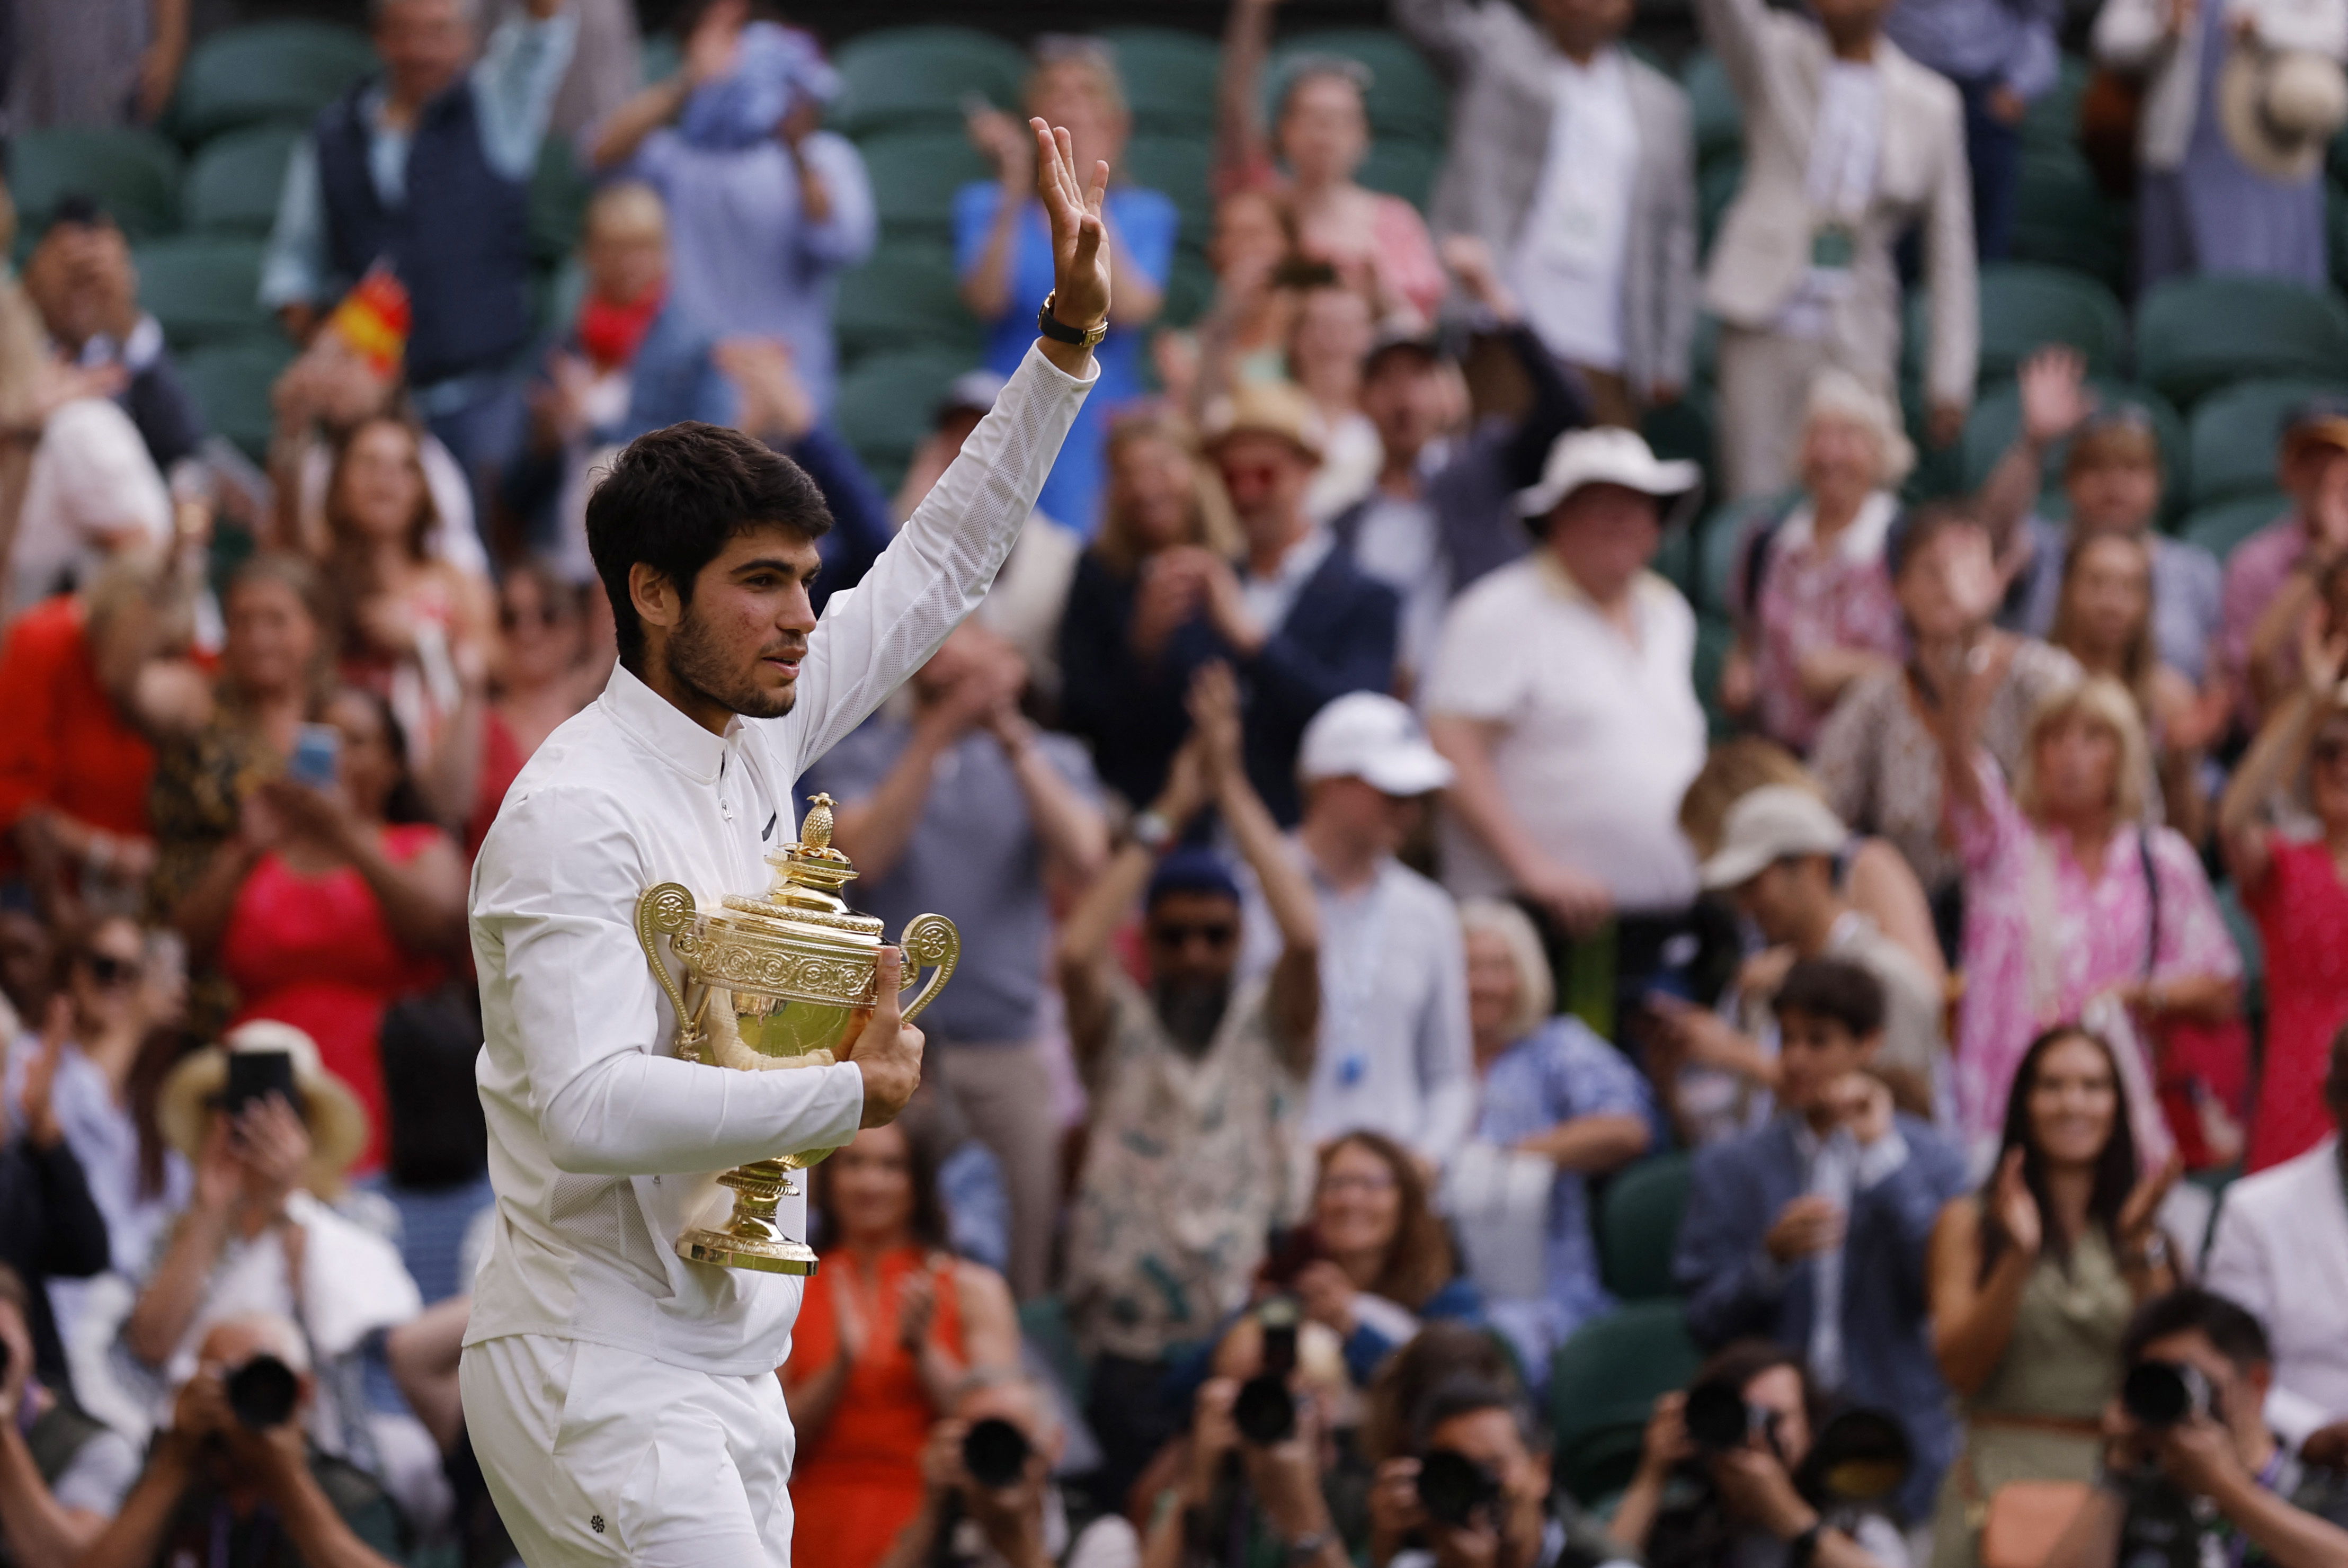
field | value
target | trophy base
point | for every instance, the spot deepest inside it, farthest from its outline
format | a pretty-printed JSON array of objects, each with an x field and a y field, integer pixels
[{"x": 761, "y": 1255}]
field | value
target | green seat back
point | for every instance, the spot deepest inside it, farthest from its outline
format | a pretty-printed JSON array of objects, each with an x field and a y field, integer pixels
[
  {"x": 916, "y": 79},
  {"x": 2219, "y": 527},
  {"x": 1190, "y": 288},
  {"x": 1640, "y": 1224},
  {"x": 559, "y": 191},
  {"x": 2026, "y": 306},
  {"x": 662, "y": 56},
  {"x": 914, "y": 175},
  {"x": 2194, "y": 336},
  {"x": 266, "y": 71},
  {"x": 1719, "y": 117},
  {"x": 2063, "y": 219},
  {"x": 2236, "y": 432},
  {"x": 902, "y": 298},
  {"x": 230, "y": 383},
  {"x": 1720, "y": 537},
  {"x": 1406, "y": 100},
  {"x": 1044, "y": 1323},
  {"x": 134, "y": 174},
  {"x": 1716, "y": 188},
  {"x": 203, "y": 288},
  {"x": 235, "y": 181},
  {"x": 2053, "y": 123},
  {"x": 885, "y": 405},
  {"x": 1602, "y": 1386},
  {"x": 1177, "y": 166},
  {"x": 1171, "y": 78},
  {"x": 1997, "y": 417}
]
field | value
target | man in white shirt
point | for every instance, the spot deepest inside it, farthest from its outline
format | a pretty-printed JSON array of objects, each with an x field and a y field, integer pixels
[
  {"x": 622, "y": 1402},
  {"x": 1562, "y": 692},
  {"x": 2281, "y": 1251}
]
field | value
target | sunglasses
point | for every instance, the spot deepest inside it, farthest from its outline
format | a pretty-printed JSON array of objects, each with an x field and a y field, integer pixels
[
  {"x": 109, "y": 971},
  {"x": 1179, "y": 933}
]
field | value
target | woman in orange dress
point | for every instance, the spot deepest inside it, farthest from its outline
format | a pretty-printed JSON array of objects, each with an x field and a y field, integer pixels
[{"x": 891, "y": 1326}]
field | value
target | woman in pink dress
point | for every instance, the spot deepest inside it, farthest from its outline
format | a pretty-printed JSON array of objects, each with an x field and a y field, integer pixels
[
  {"x": 338, "y": 901},
  {"x": 2075, "y": 908},
  {"x": 2297, "y": 888}
]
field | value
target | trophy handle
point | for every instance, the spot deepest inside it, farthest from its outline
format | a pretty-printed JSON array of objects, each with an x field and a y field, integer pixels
[
  {"x": 929, "y": 939},
  {"x": 669, "y": 909}
]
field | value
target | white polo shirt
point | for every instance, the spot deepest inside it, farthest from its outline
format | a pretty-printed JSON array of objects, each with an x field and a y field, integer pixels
[{"x": 1599, "y": 735}]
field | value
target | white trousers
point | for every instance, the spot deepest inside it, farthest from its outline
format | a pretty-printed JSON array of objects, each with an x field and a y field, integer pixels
[{"x": 598, "y": 1455}]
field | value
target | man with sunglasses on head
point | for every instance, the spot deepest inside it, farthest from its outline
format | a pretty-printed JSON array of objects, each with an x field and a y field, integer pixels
[{"x": 1197, "y": 1079}]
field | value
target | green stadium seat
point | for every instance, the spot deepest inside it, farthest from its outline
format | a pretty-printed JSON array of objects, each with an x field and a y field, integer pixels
[
  {"x": 1190, "y": 290},
  {"x": 1719, "y": 117},
  {"x": 2062, "y": 217},
  {"x": 1178, "y": 166},
  {"x": 134, "y": 174},
  {"x": 1403, "y": 169},
  {"x": 2218, "y": 528},
  {"x": 235, "y": 181},
  {"x": 1682, "y": 429},
  {"x": 1170, "y": 77},
  {"x": 902, "y": 298},
  {"x": 2024, "y": 307},
  {"x": 2053, "y": 122},
  {"x": 202, "y": 289},
  {"x": 559, "y": 191},
  {"x": 270, "y": 71},
  {"x": 1044, "y": 1323},
  {"x": 1639, "y": 1224},
  {"x": 885, "y": 404},
  {"x": 1997, "y": 417},
  {"x": 1716, "y": 188},
  {"x": 662, "y": 56},
  {"x": 1718, "y": 539},
  {"x": 2194, "y": 336},
  {"x": 1602, "y": 1387},
  {"x": 1406, "y": 99},
  {"x": 2235, "y": 434},
  {"x": 1716, "y": 638},
  {"x": 914, "y": 177},
  {"x": 230, "y": 383},
  {"x": 917, "y": 79}
]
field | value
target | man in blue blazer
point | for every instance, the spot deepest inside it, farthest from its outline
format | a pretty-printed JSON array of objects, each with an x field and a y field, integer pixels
[{"x": 1811, "y": 1230}]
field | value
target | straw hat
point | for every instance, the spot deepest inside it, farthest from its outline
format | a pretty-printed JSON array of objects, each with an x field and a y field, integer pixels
[
  {"x": 2279, "y": 109},
  {"x": 337, "y": 1122},
  {"x": 1277, "y": 408}
]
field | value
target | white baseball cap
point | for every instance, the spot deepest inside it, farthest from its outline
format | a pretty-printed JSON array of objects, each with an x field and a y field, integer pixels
[
  {"x": 1369, "y": 736},
  {"x": 1603, "y": 455},
  {"x": 1766, "y": 825}
]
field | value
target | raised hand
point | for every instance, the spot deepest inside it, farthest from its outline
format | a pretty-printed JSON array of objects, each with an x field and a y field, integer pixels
[
  {"x": 1214, "y": 704},
  {"x": 2322, "y": 653},
  {"x": 35, "y": 1102},
  {"x": 1080, "y": 247},
  {"x": 1809, "y": 1226},
  {"x": 2055, "y": 399},
  {"x": 2015, "y": 1210}
]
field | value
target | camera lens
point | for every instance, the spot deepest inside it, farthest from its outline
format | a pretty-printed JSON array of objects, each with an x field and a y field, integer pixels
[
  {"x": 1265, "y": 1411},
  {"x": 261, "y": 1393},
  {"x": 1452, "y": 1488},
  {"x": 994, "y": 1453},
  {"x": 1717, "y": 1418},
  {"x": 2162, "y": 1393}
]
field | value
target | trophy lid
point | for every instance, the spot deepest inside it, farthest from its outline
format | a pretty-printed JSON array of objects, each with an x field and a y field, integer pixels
[{"x": 808, "y": 874}]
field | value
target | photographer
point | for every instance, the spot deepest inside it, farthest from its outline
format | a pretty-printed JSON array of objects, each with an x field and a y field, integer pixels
[
  {"x": 62, "y": 1472},
  {"x": 1699, "y": 1501},
  {"x": 2191, "y": 1473},
  {"x": 234, "y": 1473},
  {"x": 1477, "y": 1495},
  {"x": 989, "y": 1500}
]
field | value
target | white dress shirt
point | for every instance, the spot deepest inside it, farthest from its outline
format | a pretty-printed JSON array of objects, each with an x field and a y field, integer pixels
[
  {"x": 1576, "y": 241},
  {"x": 2281, "y": 1251},
  {"x": 602, "y": 1146}
]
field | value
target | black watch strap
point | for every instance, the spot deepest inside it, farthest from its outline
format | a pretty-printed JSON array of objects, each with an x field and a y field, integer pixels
[{"x": 1058, "y": 331}]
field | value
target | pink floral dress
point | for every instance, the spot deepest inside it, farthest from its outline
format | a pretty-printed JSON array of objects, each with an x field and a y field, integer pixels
[
  {"x": 1812, "y": 597},
  {"x": 2042, "y": 941}
]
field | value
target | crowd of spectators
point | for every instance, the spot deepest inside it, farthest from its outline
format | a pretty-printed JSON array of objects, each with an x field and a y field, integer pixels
[{"x": 1378, "y": 880}]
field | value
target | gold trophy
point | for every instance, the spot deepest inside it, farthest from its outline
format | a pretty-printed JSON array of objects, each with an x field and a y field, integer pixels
[{"x": 780, "y": 980}]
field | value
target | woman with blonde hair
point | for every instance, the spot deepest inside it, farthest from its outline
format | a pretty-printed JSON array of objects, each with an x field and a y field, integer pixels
[
  {"x": 2077, "y": 908},
  {"x": 1134, "y": 593}
]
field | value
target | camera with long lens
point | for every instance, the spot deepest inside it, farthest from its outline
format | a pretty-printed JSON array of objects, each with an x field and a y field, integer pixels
[
  {"x": 261, "y": 1393},
  {"x": 1265, "y": 1408},
  {"x": 1719, "y": 1418},
  {"x": 995, "y": 1453},
  {"x": 1857, "y": 1465},
  {"x": 1455, "y": 1489},
  {"x": 2167, "y": 1393}
]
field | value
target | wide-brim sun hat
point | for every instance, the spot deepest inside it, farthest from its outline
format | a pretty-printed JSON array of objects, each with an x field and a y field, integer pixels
[
  {"x": 337, "y": 1122},
  {"x": 1604, "y": 455},
  {"x": 1276, "y": 408},
  {"x": 2280, "y": 107}
]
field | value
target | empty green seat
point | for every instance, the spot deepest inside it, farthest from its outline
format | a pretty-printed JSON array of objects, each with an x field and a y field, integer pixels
[
  {"x": 1602, "y": 1387},
  {"x": 235, "y": 181},
  {"x": 1176, "y": 165},
  {"x": 134, "y": 174},
  {"x": 269, "y": 70},
  {"x": 2194, "y": 336},
  {"x": 2218, "y": 528},
  {"x": 1639, "y": 1225},
  {"x": 230, "y": 383},
  {"x": 1719, "y": 538},
  {"x": 1716, "y": 188},
  {"x": 916, "y": 79},
  {"x": 203, "y": 288},
  {"x": 885, "y": 405},
  {"x": 1170, "y": 77},
  {"x": 2024, "y": 307},
  {"x": 559, "y": 191},
  {"x": 2063, "y": 219},
  {"x": 2235, "y": 434},
  {"x": 1719, "y": 116},
  {"x": 903, "y": 297},
  {"x": 1997, "y": 417},
  {"x": 1406, "y": 99},
  {"x": 914, "y": 177},
  {"x": 2053, "y": 122}
]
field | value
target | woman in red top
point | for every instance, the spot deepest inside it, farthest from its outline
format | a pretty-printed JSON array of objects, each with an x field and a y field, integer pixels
[
  {"x": 336, "y": 902},
  {"x": 890, "y": 1326},
  {"x": 2297, "y": 891}
]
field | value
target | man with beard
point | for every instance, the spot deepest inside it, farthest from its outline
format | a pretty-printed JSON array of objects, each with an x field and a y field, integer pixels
[
  {"x": 1196, "y": 1081},
  {"x": 622, "y": 1400}
]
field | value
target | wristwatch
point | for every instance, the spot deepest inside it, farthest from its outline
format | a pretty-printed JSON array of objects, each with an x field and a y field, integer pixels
[
  {"x": 1152, "y": 831},
  {"x": 1059, "y": 331},
  {"x": 1803, "y": 1550},
  {"x": 1304, "y": 1549}
]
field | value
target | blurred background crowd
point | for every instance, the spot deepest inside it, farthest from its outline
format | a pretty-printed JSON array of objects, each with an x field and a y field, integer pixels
[{"x": 1652, "y": 835}]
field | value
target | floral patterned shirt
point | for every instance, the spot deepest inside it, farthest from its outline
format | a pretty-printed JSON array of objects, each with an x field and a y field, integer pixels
[{"x": 1813, "y": 598}]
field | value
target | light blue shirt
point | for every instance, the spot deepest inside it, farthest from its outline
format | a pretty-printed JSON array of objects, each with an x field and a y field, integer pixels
[
  {"x": 514, "y": 83},
  {"x": 2009, "y": 42}
]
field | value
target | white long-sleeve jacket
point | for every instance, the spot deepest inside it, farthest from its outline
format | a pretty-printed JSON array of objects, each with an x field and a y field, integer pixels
[{"x": 602, "y": 1145}]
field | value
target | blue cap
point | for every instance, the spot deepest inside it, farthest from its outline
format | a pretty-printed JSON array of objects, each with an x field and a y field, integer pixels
[
  {"x": 1192, "y": 868},
  {"x": 774, "y": 67}
]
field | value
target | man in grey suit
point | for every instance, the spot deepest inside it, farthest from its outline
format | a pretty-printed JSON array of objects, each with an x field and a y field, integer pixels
[
  {"x": 1575, "y": 163},
  {"x": 1847, "y": 143}
]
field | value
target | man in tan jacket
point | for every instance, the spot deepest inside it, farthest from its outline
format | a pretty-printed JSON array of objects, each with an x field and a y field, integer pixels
[{"x": 1847, "y": 143}]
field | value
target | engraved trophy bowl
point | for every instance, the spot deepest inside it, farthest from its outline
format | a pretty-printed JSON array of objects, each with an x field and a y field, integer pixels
[{"x": 771, "y": 983}]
